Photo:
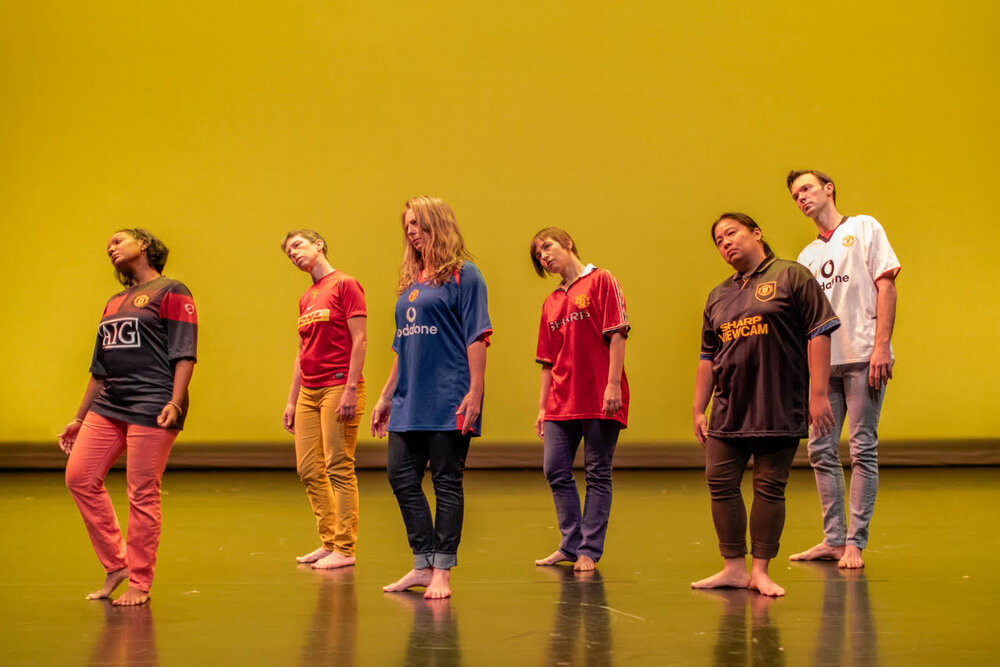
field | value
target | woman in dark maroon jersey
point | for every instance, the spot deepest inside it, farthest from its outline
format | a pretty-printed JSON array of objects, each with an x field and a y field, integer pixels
[
  {"x": 766, "y": 335},
  {"x": 136, "y": 400}
]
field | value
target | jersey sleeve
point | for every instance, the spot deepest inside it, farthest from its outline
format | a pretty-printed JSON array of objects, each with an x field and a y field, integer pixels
[
  {"x": 816, "y": 313},
  {"x": 473, "y": 306},
  {"x": 709, "y": 339},
  {"x": 611, "y": 305},
  {"x": 543, "y": 353},
  {"x": 178, "y": 313},
  {"x": 352, "y": 298},
  {"x": 881, "y": 258}
]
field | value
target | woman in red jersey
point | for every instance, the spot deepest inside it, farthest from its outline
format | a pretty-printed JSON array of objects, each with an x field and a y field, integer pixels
[
  {"x": 584, "y": 392},
  {"x": 136, "y": 400},
  {"x": 327, "y": 396}
]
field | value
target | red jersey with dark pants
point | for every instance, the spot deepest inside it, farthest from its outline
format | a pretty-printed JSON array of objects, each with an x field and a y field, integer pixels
[
  {"x": 756, "y": 333},
  {"x": 144, "y": 331},
  {"x": 574, "y": 335}
]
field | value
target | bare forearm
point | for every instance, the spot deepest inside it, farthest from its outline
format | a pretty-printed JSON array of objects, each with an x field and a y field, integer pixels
[
  {"x": 617, "y": 361},
  {"x": 390, "y": 383},
  {"x": 885, "y": 311},
  {"x": 543, "y": 390},
  {"x": 359, "y": 346},
  {"x": 819, "y": 365},
  {"x": 94, "y": 386},
  {"x": 477, "y": 366},
  {"x": 703, "y": 382},
  {"x": 293, "y": 392},
  {"x": 183, "y": 370}
]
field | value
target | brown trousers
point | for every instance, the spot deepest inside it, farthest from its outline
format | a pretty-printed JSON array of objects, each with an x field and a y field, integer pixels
[{"x": 725, "y": 461}]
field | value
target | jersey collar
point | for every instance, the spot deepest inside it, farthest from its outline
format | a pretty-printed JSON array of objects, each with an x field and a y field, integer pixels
[
  {"x": 826, "y": 236},
  {"x": 587, "y": 269},
  {"x": 768, "y": 261}
]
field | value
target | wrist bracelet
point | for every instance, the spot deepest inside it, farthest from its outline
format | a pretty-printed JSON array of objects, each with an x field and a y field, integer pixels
[
  {"x": 77, "y": 419},
  {"x": 179, "y": 411}
]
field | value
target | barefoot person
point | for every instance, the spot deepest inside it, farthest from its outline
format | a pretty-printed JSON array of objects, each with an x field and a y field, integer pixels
[
  {"x": 856, "y": 267},
  {"x": 584, "y": 393},
  {"x": 766, "y": 334},
  {"x": 136, "y": 401},
  {"x": 431, "y": 403},
  {"x": 327, "y": 396}
]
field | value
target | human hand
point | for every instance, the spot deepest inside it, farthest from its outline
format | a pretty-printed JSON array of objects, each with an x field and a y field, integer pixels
[
  {"x": 701, "y": 428},
  {"x": 470, "y": 408},
  {"x": 540, "y": 424},
  {"x": 288, "y": 418},
  {"x": 168, "y": 415},
  {"x": 380, "y": 417},
  {"x": 348, "y": 405},
  {"x": 68, "y": 436}
]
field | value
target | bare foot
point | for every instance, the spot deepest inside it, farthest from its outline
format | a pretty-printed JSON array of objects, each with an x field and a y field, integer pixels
[
  {"x": 852, "y": 558},
  {"x": 440, "y": 586},
  {"x": 421, "y": 577},
  {"x": 761, "y": 581},
  {"x": 821, "y": 551},
  {"x": 132, "y": 597},
  {"x": 554, "y": 558},
  {"x": 111, "y": 582},
  {"x": 584, "y": 564},
  {"x": 319, "y": 554},
  {"x": 724, "y": 579},
  {"x": 332, "y": 561},
  {"x": 763, "y": 584}
]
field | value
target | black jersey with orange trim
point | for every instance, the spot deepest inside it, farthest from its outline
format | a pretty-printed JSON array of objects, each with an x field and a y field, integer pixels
[
  {"x": 756, "y": 332},
  {"x": 144, "y": 332}
]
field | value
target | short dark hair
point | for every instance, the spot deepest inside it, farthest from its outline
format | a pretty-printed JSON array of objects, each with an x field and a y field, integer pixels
[
  {"x": 307, "y": 234},
  {"x": 557, "y": 234},
  {"x": 156, "y": 252},
  {"x": 744, "y": 220},
  {"x": 820, "y": 176}
]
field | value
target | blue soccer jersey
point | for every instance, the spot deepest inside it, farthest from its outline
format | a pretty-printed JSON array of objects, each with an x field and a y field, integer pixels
[{"x": 435, "y": 325}]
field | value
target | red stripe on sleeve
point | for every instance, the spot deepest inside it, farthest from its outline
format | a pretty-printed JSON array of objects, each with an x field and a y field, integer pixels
[{"x": 178, "y": 307}]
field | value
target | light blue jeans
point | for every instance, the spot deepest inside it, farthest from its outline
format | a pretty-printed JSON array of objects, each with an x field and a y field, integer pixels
[{"x": 850, "y": 395}]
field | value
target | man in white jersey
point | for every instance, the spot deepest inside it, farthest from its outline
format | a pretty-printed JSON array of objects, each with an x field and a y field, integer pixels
[{"x": 856, "y": 267}]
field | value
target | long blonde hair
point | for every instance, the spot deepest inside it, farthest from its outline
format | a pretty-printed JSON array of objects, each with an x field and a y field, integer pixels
[{"x": 445, "y": 249}]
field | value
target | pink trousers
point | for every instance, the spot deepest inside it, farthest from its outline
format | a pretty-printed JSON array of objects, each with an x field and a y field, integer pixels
[{"x": 100, "y": 443}]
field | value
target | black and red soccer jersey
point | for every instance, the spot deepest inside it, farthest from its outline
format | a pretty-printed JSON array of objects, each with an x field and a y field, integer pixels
[
  {"x": 756, "y": 333},
  {"x": 144, "y": 332}
]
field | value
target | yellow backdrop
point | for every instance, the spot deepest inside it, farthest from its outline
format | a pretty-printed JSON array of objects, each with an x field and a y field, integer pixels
[{"x": 633, "y": 124}]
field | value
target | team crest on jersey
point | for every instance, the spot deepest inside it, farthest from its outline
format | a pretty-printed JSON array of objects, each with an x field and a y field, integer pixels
[
  {"x": 189, "y": 308},
  {"x": 848, "y": 241},
  {"x": 765, "y": 291},
  {"x": 413, "y": 295},
  {"x": 140, "y": 300},
  {"x": 582, "y": 301}
]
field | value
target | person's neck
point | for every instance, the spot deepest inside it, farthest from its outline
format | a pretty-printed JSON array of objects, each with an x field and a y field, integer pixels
[
  {"x": 427, "y": 273},
  {"x": 572, "y": 271},
  {"x": 321, "y": 268},
  {"x": 143, "y": 275},
  {"x": 748, "y": 268},
  {"x": 828, "y": 219}
]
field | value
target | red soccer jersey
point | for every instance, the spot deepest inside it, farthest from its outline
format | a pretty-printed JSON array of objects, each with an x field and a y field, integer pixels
[
  {"x": 574, "y": 339},
  {"x": 324, "y": 339}
]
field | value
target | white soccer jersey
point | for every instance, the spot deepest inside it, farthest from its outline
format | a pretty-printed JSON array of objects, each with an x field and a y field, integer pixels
[{"x": 846, "y": 265}]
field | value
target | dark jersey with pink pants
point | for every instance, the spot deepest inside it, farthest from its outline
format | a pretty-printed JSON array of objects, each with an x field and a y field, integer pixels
[{"x": 144, "y": 331}]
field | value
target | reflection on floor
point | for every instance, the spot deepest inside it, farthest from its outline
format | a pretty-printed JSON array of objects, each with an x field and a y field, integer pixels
[{"x": 229, "y": 592}]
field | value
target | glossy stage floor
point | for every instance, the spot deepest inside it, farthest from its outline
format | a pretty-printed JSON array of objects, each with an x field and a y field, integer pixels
[{"x": 229, "y": 593}]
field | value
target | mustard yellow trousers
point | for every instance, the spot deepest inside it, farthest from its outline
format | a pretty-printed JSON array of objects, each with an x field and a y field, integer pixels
[{"x": 324, "y": 456}]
